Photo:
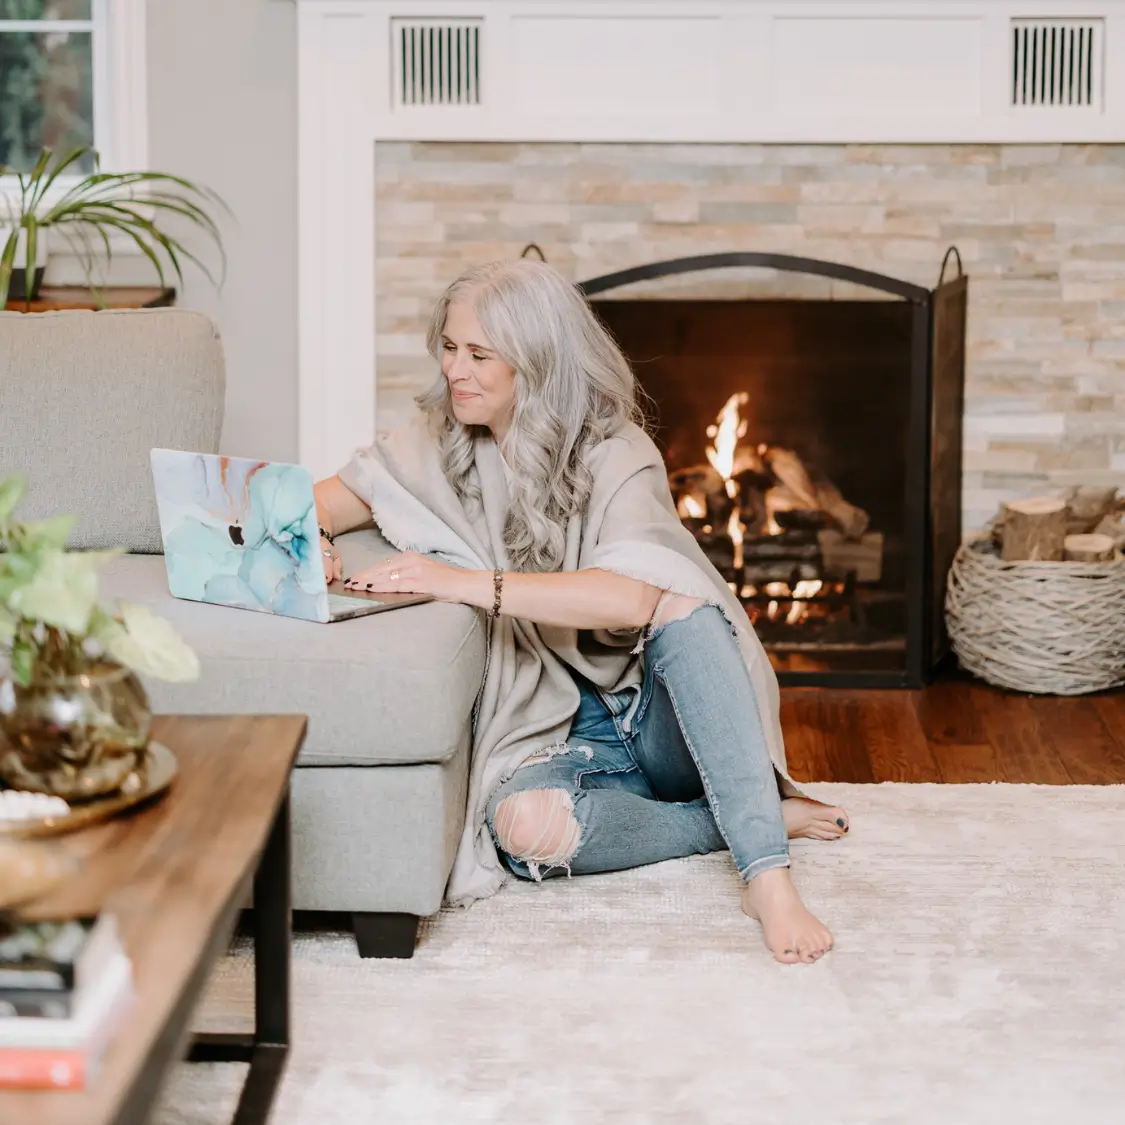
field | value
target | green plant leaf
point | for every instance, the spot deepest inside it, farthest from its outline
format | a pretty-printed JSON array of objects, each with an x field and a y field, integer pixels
[
  {"x": 61, "y": 165},
  {"x": 150, "y": 646},
  {"x": 63, "y": 591},
  {"x": 115, "y": 224},
  {"x": 12, "y": 491},
  {"x": 32, "y": 228},
  {"x": 7, "y": 263},
  {"x": 129, "y": 202},
  {"x": 49, "y": 534},
  {"x": 8, "y": 623}
]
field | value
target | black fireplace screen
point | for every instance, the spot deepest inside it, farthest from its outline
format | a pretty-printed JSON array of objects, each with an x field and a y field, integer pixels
[{"x": 814, "y": 450}]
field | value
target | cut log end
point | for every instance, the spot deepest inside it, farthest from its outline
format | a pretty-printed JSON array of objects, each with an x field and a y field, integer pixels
[
  {"x": 1034, "y": 529},
  {"x": 1089, "y": 548}
]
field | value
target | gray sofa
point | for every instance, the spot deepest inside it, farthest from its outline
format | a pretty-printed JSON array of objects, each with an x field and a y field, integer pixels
[{"x": 378, "y": 797}]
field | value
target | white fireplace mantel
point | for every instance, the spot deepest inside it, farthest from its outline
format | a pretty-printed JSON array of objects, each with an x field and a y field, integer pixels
[{"x": 718, "y": 71}]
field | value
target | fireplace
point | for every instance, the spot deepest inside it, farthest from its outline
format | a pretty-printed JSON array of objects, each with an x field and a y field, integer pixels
[{"x": 814, "y": 450}]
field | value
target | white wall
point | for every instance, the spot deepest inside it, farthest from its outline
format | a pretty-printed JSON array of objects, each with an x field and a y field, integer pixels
[{"x": 222, "y": 110}]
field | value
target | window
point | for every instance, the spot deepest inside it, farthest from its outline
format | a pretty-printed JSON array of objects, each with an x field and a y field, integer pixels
[{"x": 48, "y": 53}]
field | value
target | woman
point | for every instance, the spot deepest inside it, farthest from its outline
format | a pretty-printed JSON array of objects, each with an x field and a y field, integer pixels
[{"x": 628, "y": 713}]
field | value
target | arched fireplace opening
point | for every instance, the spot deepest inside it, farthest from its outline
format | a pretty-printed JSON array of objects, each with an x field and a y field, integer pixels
[{"x": 814, "y": 449}]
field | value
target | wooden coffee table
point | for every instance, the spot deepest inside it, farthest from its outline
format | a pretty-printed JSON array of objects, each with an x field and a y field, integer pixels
[{"x": 176, "y": 873}]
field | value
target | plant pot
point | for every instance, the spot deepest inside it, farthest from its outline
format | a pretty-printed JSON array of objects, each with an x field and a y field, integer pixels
[
  {"x": 74, "y": 737},
  {"x": 18, "y": 284}
]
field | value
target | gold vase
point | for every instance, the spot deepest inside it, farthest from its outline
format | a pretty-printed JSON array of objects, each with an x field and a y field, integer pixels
[{"x": 74, "y": 737}]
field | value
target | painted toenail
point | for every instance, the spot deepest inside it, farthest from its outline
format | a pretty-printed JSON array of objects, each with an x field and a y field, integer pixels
[{"x": 840, "y": 821}]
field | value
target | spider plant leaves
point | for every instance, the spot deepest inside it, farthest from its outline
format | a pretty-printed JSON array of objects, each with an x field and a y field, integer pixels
[{"x": 129, "y": 204}]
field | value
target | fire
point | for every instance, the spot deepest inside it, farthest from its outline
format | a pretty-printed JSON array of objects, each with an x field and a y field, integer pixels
[
  {"x": 803, "y": 590},
  {"x": 807, "y": 588},
  {"x": 734, "y": 530},
  {"x": 725, "y": 433},
  {"x": 691, "y": 507}
]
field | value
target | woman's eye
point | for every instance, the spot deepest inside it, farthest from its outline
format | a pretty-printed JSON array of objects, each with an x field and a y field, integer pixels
[
  {"x": 479, "y": 358},
  {"x": 449, "y": 347}
]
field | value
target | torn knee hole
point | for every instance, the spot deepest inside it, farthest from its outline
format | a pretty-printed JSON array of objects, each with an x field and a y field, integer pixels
[{"x": 537, "y": 826}]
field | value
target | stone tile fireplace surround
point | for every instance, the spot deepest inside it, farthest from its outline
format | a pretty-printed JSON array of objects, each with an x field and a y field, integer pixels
[
  {"x": 1041, "y": 230},
  {"x": 614, "y": 133}
]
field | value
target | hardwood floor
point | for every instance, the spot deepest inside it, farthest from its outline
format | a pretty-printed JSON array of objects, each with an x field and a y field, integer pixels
[{"x": 953, "y": 731}]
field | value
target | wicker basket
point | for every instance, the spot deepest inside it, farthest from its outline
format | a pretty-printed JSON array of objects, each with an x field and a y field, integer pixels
[{"x": 1055, "y": 628}]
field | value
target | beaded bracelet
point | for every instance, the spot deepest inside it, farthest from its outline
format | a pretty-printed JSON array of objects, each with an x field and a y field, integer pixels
[
  {"x": 497, "y": 592},
  {"x": 324, "y": 535}
]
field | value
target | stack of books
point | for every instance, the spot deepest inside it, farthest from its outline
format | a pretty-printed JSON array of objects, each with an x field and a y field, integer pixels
[{"x": 64, "y": 989}]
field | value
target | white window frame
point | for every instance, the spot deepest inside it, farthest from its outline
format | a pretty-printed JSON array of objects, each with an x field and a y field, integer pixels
[{"x": 120, "y": 88}]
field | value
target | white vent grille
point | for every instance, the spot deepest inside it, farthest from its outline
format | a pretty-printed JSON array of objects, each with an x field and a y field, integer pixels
[
  {"x": 436, "y": 62},
  {"x": 1057, "y": 63}
]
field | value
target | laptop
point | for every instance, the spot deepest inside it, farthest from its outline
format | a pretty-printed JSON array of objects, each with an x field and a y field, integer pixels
[{"x": 244, "y": 533}]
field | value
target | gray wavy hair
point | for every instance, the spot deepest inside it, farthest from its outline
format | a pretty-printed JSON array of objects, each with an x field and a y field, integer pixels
[{"x": 573, "y": 389}]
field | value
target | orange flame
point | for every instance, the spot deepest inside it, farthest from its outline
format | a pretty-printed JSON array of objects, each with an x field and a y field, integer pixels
[
  {"x": 691, "y": 507},
  {"x": 728, "y": 427}
]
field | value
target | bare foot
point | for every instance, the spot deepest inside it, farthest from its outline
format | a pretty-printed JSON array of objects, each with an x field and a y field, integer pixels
[
  {"x": 813, "y": 820},
  {"x": 792, "y": 934}
]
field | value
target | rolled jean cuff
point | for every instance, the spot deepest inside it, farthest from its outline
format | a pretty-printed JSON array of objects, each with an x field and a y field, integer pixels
[{"x": 766, "y": 863}]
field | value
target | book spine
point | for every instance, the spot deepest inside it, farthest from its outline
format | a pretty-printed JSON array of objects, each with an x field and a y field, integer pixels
[
  {"x": 39, "y": 1005},
  {"x": 43, "y": 1070}
]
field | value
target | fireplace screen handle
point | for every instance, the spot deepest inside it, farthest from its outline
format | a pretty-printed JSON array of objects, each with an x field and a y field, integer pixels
[{"x": 944, "y": 262}]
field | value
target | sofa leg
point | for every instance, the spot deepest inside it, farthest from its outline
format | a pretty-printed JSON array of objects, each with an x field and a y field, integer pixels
[{"x": 385, "y": 935}]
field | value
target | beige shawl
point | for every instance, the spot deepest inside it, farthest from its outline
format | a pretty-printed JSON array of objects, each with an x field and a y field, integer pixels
[{"x": 528, "y": 697}]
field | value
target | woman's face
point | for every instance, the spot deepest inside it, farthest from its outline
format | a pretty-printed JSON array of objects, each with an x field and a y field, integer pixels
[{"x": 482, "y": 385}]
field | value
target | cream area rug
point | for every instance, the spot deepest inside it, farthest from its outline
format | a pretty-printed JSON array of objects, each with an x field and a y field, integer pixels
[{"x": 978, "y": 977}]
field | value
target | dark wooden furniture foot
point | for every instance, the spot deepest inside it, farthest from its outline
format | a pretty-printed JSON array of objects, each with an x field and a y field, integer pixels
[{"x": 385, "y": 935}]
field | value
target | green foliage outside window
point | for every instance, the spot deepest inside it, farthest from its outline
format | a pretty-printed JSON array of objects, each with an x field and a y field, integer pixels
[{"x": 46, "y": 83}]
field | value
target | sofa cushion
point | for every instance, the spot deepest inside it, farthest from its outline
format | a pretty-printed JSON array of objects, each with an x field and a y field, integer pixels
[
  {"x": 84, "y": 396},
  {"x": 393, "y": 688}
]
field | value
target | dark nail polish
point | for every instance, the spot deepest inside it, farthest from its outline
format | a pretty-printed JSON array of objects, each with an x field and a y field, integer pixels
[
  {"x": 840, "y": 821},
  {"x": 370, "y": 585}
]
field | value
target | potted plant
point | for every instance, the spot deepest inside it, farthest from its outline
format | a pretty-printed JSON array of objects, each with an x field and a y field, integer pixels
[
  {"x": 97, "y": 206},
  {"x": 74, "y": 717}
]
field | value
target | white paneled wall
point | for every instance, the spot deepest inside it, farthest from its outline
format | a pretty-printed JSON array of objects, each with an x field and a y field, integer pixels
[{"x": 786, "y": 71}]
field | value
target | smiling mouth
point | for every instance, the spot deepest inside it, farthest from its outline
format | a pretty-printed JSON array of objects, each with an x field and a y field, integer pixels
[{"x": 464, "y": 394}]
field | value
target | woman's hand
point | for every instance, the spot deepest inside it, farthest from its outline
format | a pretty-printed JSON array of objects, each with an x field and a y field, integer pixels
[
  {"x": 333, "y": 564},
  {"x": 413, "y": 574}
]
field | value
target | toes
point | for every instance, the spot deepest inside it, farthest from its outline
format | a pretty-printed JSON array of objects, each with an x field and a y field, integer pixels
[{"x": 787, "y": 956}]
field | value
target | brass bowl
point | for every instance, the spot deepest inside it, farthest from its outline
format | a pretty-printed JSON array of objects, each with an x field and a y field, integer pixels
[{"x": 76, "y": 737}]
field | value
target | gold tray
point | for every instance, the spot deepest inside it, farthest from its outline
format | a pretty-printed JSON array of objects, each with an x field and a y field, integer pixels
[{"x": 153, "y": 777}]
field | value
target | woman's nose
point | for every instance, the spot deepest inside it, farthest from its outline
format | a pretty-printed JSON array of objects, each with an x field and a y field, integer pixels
[{"x": 458, "y": 371}]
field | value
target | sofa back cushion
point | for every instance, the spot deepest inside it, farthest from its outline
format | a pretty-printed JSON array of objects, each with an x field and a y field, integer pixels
[{"x": 84, "y": 396}]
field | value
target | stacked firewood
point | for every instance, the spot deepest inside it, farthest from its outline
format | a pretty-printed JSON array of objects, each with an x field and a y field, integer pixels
[
  {"x": 811, "y": 520},
  {"x": 768, "y": 478},
  {"x": 1085, "y": 525}
]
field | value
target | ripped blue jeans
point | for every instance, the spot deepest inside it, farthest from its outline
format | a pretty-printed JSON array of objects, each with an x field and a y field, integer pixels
[{"x": 681, "y": 770}]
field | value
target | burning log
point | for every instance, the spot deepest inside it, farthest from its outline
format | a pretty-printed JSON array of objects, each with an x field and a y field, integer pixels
[
  {"x": 791, "y": 472},
  {"x": 757, "y": 510},
  {"x": 852, "y": 521},
  {"x": 752, "y": 509},
  {"x": 817, "y": 496},
  {"x": 840, "y": 556},
  {"x": 700, "y": 493}
]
